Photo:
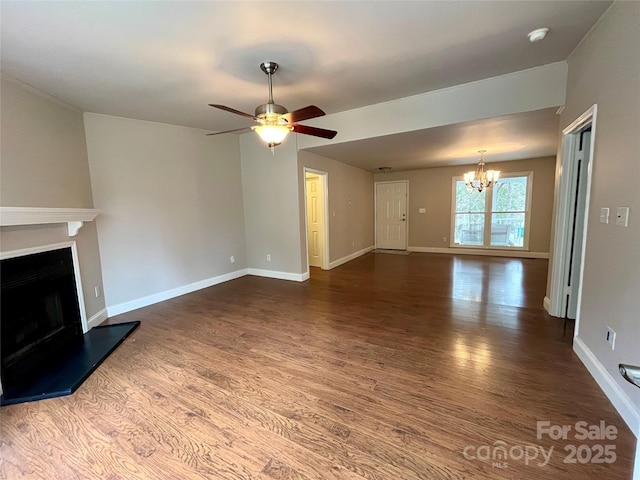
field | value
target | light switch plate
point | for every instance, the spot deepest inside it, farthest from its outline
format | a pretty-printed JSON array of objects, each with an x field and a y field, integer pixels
[
  {"x": 622, "y": 217},
  {"x": 604, "y": 215},
  {"x": 422, "y": 210}
]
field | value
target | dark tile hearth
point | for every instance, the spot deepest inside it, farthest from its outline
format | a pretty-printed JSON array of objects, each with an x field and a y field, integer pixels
[{"x": 66, "y": 374}]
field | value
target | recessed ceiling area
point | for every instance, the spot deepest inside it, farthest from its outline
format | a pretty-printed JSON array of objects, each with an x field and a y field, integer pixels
[{"x": 511, "y": 137}]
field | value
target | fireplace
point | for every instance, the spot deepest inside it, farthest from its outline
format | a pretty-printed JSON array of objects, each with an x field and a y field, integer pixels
[
  {"x": 40, "y": 310},
  {"x": 47, "y": 348}
]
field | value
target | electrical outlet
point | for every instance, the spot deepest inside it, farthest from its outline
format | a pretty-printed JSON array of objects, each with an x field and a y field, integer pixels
[
  {"x": 611, "y": 337},
  {"x": 622, "y": 217},
  {"x": 96, "y": 290},
  {"x": 444, "y": 239},
  {"x": 232, "y": 259},
  {"x": 268, "y": 257}
]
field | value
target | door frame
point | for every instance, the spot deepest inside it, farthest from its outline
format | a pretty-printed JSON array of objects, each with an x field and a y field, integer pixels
[
  {"x": 563, "y": 228},
  {"x": 375, "y": 212},
  {"x": 325, "y": 208}
]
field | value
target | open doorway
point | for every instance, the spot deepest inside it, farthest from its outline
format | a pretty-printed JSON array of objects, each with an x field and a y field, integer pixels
[
  {"x": 316, "y": 216},
  {"x": 571, "y": 218}
]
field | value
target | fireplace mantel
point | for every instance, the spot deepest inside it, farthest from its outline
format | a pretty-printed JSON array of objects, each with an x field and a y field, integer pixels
[{"x": 73, "y": 217}]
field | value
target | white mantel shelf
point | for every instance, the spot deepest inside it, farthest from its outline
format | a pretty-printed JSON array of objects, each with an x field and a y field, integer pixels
[{"x": 73, "y": 217}]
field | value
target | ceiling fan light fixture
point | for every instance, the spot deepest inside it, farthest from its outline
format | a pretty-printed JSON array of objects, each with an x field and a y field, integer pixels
[{"x": 272, "y": 135}]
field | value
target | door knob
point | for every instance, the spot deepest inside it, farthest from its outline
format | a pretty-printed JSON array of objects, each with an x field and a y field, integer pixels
[{"x": 631, "y": 373}]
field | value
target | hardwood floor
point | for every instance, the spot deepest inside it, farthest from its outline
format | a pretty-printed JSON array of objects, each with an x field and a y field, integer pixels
[{"x": 389, "y": 367}]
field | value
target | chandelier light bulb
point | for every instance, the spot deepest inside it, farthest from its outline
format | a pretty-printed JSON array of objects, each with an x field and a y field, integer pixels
[{"x": 481, "y": 179}]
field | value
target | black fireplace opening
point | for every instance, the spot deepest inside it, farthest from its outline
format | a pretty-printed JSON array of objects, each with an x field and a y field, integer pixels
[{"x": 40, "y": 314}]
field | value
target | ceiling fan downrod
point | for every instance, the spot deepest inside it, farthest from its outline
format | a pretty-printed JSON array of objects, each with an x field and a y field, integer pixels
[{"x": 270, "y": 108}]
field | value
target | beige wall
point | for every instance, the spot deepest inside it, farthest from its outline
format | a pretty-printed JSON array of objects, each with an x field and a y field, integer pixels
[
  {"x": 350, "y": 204},
  {"x": 272, "y": 220},
  {"x": 44, "y": 164},
  {"x": 431, "y": 189},
  {"x": 605, "y": 70},
  {"x": 172, "y": 203},
  {"x": 44, "y": 155}
]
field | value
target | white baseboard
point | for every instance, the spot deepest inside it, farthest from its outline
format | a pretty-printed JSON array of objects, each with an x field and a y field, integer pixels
[
  {"x": 620, "y": 400},
  {"x": 546, "y": 303},
  {"x": 124, "y": 307},
  {"x": 636, "y": 467},
  {"x": 489, "y": 252},
  {"x": 97, "y": 319},
  {"x": 348, "y": 258},
  {"x": 295, "y": 277}
]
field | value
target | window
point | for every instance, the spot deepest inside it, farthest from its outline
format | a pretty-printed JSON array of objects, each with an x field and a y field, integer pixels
[{"x": 494, "y": 218}]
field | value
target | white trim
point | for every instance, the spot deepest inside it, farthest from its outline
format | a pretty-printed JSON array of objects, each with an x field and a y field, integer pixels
[
  {"x": 79, "y": 289},
  {"x": 31, "y": 250},
  {"x": 636, "y": 467},
  {"x": 375, "y": 212},
  {"x": 73, "y": 217},
  {"x": 546, "y": 304},
  {"x": 76, "y": 270},
  {"x": 488, "y": 252},
  {"x": 295, "y": 277},
  {"x": 113, "y": 310},
  {"x": 619, "y": 399},
  {"x": 348, "y": 258},
  {"x": 559, "y": 264},
  {"x": 97, "y": 319}
]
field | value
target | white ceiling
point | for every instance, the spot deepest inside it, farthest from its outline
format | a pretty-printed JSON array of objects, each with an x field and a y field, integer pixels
[
  {"x": 165, "y": 61},
  {"x": 511, "y": 137}
]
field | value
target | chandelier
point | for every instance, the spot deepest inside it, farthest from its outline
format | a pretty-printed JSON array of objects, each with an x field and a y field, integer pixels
[{"x": 481, "y": 179}]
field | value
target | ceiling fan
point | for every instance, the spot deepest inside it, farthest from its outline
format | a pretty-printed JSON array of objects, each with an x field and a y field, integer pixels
[{"x": 275, "y": 121}]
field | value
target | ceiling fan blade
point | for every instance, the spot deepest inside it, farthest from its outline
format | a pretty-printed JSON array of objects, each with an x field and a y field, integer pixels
[
  {"x": 316, "y": 132},
  {"x": 303, "y": 114},
  {"x": 230, "y": 131},
  {"x": 232, "y": 110}
]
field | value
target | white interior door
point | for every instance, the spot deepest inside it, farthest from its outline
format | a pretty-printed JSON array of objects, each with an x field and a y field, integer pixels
[
  {"x": 315, "y": 220},
  {"x": 391, "y": 215}
]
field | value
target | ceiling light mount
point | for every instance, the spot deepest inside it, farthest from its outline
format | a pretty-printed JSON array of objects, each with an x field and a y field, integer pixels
[
  {"x": 537, "y": 34},
  {"x": 269, "y": 67}
]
